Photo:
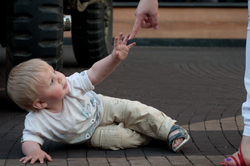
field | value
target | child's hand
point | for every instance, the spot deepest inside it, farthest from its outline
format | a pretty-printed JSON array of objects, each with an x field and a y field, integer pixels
[
  {"x": 104, "y": 67},
  {"x": 121, "y": 49},
  {"x": 36, "y": 156}
]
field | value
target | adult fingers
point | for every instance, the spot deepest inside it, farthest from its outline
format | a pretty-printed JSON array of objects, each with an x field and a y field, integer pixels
[
  {"x": 136, "y": 26},
  {"x": 146, "y": 24},
  {"x": 151, "y": 22},
  {"x": 155, "y": 21}
]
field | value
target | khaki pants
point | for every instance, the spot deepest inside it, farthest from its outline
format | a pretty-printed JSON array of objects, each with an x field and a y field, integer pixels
[{"x": 129, "y": 124}]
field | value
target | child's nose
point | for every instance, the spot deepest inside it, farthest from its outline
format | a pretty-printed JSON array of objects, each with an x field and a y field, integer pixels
[{"x": 59, "y": 80}]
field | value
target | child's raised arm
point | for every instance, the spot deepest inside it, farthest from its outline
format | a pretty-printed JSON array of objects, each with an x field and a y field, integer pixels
[{"x": 101, "y": 69}]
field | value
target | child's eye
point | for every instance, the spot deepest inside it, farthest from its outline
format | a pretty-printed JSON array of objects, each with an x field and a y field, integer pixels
[
  {"x": 51, "y": 82},
  {"x": 54, "y": 72}
]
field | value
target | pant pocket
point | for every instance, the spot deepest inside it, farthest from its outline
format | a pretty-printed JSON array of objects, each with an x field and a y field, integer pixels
[{"x": 117, "y": 137}]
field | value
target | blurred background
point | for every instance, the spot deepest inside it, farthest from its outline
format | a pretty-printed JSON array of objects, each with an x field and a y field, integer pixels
[
  {"x": 197, "y": 21},
  {"x": 190, "y": 19}
]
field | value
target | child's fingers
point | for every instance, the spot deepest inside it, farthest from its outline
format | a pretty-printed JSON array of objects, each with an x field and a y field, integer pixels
[
  {"x": 125, "y": 40},
  {"x": 41, "y": 160},
  {"x": 116, "y": 41},
  {"x": 25, "y": 159},
  {"x": 33, "y": 160},
  {"x": 131, "y": 45},
  {"x": 48, "y": 157},
  {"x": 120, "y": 38}
]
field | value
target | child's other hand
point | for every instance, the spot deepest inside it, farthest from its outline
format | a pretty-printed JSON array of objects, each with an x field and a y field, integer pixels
[
  {"x": 36, "y": 156},
  {"x": 121, "y": 49}
]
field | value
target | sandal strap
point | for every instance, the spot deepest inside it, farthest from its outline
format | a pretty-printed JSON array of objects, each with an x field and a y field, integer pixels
[
  {"x": 240, "y": 159},
  {"x": 182, "y": 133},
  {"x": 240, "y": 156},
  {"x": 174, "y": 127},
  {"x": 235, "y": 160}
]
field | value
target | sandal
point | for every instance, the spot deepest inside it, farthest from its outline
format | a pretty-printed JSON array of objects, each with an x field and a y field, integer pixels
[
  {"x": 181, "y": 134},
  {"x": 241, "y": 159}
]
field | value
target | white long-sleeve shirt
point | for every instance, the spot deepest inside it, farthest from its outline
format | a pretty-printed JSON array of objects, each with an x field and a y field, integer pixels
[{"x": 82, "y": 112}]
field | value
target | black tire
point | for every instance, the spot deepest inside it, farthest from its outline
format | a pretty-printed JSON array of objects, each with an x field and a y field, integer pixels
[
  {"x": 34, "y": 30},
  {"x": 92, "y": 32},
  {"x": 3, "y": 23}
]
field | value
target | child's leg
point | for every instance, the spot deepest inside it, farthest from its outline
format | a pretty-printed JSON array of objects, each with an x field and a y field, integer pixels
[
  {"x": 136, "y": 116},
  {"x": 117, "y": 137}
]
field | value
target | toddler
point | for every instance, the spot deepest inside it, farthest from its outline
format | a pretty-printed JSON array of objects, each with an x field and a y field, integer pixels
[{"x": 67, "y": 110}]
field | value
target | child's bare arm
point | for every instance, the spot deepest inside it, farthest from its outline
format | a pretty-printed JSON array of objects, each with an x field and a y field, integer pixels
[
  {"x": 101, "y": 69},
  {"x": 33, "y": 153}
]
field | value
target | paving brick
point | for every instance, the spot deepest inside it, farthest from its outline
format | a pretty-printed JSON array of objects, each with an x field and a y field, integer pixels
[
  {"x": 118, "y": 162},
  {"x": 2, "y": 162},
  {"x": 58, "y": 162},
  {"x": 77, "y": 162},
  {"x": 215, "y": 159},
  {"x": 179, "y": 160},
  {"x": 98, "y": 161},
  {"x": 202, "y": 88},
  {"x": 138, "y": 161},
  {"x": 11, "y": 162},
  {"x": 158, "y": 161},
  {"x": 200, "y": 160}
]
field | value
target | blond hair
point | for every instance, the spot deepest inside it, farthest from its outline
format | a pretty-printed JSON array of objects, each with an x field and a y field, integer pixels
[{"x": 23, "y": 83}]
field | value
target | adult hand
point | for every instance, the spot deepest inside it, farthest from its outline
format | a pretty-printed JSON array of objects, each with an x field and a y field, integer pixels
[{"x": 146, "y": 16}]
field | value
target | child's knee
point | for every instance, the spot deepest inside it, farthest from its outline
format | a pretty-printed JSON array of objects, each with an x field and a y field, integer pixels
[{"x": 117, "y": 137}]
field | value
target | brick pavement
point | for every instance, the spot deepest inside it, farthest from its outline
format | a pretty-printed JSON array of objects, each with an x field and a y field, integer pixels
[{"x": 202, "y": 88}]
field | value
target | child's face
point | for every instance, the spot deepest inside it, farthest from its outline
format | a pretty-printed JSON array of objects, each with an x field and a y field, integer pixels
[{"x": 55, "y": 86}]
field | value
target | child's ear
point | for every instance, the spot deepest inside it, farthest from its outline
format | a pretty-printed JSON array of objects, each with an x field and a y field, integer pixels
[{"x": 39, "y": 104}]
